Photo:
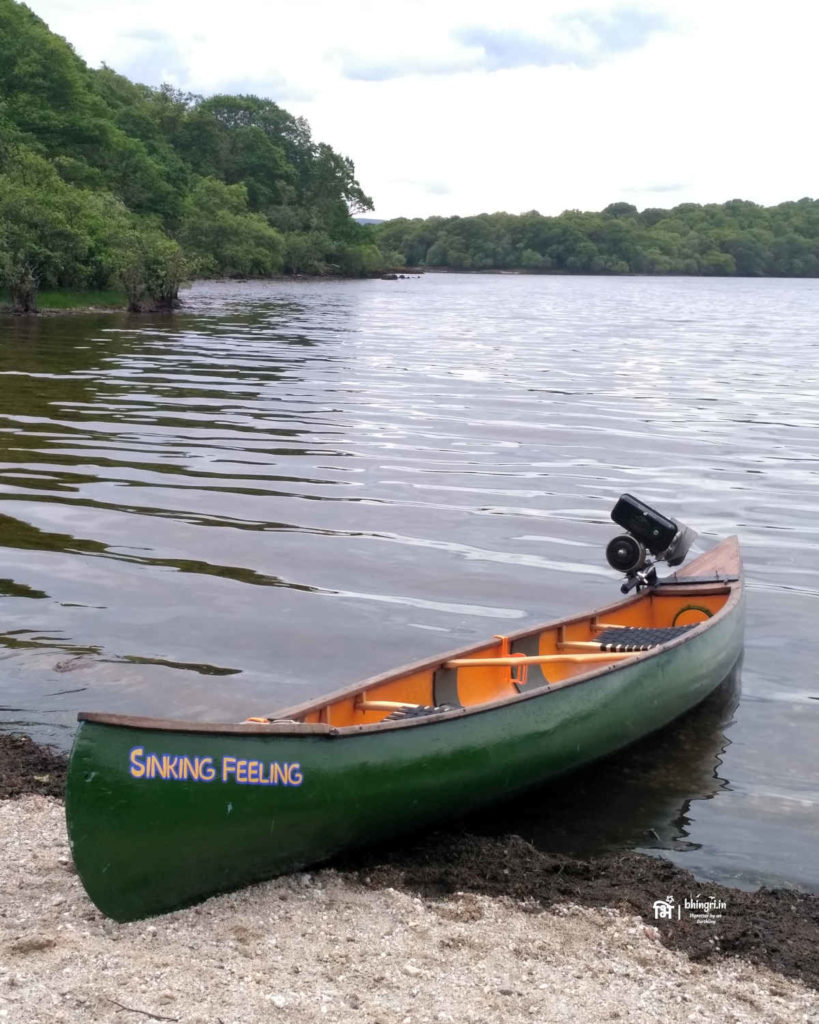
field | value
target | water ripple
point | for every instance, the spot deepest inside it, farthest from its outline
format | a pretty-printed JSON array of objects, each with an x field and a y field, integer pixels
[{"x": 286, "y": 487}]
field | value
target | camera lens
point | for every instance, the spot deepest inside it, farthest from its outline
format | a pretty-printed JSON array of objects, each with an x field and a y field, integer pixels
[{"x": 625, "y": 554}]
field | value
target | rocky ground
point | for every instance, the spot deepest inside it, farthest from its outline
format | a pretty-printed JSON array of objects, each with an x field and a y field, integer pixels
[
  {"x": 454, "y": 929},
  {"x": 26, "y": 767}
]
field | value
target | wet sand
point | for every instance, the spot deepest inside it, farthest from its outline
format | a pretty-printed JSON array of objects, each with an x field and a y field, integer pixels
[{"x": 452, "y": 928}]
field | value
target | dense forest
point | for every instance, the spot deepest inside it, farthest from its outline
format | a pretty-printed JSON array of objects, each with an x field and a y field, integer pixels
[
  {"x": 107, "y": 183},
  {"x": 104, "y": 182},
  {"x": 735, "y": 238}
]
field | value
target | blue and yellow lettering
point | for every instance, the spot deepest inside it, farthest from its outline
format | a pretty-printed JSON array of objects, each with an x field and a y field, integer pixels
[
  {"x": 142, "y": 765},
  {"x": 137, "y": 768}
]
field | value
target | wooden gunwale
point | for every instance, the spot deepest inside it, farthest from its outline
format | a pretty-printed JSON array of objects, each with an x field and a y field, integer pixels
[{"x": 728, "y": 550}]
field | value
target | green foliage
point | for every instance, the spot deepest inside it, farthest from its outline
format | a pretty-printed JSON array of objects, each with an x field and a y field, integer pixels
[
  {"x": 307, "y": 252},
  {"x": 620, "y": 210},
  {"x": 51, "y": 233},
  {"x": 151, "y": 268},
  {"x": 103, "y": 180},
  {"x": 222, "y": 236},
  {"x": 237, "y": 139},
  {"x": 359, "y": 260},
  {"x": 165, "y": 270},
  {"x": 737, "y": 238}
]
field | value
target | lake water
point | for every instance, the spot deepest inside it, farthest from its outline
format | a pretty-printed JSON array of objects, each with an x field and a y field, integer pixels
[{"x": 289, "y": 486}]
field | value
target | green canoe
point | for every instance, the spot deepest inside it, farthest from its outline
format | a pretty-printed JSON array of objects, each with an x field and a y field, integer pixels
[{"x": 162, "y": 814}]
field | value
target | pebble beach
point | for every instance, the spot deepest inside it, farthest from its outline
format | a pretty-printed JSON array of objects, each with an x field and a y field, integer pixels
[{"x": 343, "y": 944}]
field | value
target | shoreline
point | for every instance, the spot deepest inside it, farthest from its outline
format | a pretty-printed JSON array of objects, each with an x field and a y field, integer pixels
[
  {"x": 326, "y": 946},
  {"x": 404, "y": 274},
  {"x": 770, "y": 929},
  {"x": 9, "y": 311}
]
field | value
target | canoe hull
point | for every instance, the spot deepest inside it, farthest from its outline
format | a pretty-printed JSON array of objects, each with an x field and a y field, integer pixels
[{"x": 278, "y": 802}]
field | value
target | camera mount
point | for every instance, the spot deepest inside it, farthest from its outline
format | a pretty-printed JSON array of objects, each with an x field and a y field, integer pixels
[{"x": 648, "y": 532}]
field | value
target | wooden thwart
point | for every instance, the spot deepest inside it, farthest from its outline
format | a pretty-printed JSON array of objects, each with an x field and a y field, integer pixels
[
  {"x": 362, "y": 704},
  {"x": 534, "y": 659}
]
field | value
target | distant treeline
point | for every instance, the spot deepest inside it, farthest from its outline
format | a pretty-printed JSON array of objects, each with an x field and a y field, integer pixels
[
  {"x": 735, "y": 238},
  {"x": 104, "y": 182}
]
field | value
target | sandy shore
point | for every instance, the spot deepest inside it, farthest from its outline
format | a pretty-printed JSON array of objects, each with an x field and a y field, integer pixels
[
  {"x": 323, "y": 947},
  {"x": 386, "y": 938}
]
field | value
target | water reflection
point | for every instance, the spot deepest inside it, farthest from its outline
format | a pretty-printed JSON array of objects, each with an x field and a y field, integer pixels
[{"x": 641, "y": 797}]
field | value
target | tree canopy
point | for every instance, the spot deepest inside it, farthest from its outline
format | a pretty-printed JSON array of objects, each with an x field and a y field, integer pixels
[
  {"x": 736, "y": 238},
  {"x": 102, "y": 178}
]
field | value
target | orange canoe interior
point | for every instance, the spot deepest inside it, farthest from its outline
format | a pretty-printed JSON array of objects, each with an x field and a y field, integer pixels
[{"x": 571, "y": 646}]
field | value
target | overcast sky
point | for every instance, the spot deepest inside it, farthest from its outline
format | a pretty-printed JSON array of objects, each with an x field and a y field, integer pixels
[{"x": 466, "y": 106}]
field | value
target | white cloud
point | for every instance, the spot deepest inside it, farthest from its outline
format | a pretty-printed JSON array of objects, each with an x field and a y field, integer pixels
[
  {"x": 481, "y": 106},
  {"x": 580, "y": 39}
]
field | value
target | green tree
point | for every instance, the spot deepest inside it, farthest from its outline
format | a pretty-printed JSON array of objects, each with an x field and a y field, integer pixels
[
  {"x": 358, "y": 260},
  {"x": 149, "y": 150},
  {"x": 151, "y": 268},
  {"x": 221, "y": 235},
  {"x": 736, "y": 237},
  {"x": 620, "y": 210},
  {"x": 43, "y": 237},
  {"x": 307, "y": 252}
]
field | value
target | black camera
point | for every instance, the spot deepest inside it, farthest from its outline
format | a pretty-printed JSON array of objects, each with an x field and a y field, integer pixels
[{"x": 648, "y": 532}]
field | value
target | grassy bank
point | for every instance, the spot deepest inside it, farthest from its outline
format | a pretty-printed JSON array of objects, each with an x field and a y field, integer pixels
[{"x": 66, "y": 299}]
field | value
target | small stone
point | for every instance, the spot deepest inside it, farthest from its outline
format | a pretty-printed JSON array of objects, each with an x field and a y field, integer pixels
[{"x": 32, "y": 944}]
